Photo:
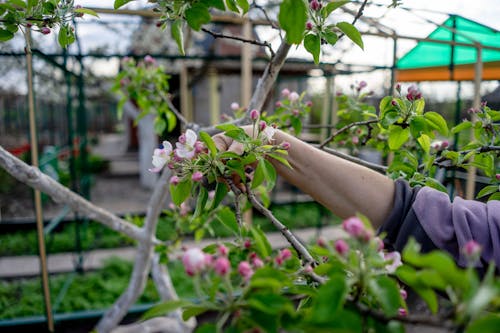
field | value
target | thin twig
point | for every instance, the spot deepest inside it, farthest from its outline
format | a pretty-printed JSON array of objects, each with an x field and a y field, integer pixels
[
  {"x": 345, "y": 128},
  {"x": 375, "y": 167},
  {"x": 290, "y": 237},
  {"x": 358, "y": 15},
  {"x": 172, "y": 108},
  {"x": 237, "y": 205},
  {"x": 272, "y": 23},
  {"x": 216, "y": 35}
]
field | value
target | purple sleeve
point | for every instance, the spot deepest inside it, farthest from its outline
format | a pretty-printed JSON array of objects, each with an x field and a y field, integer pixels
[{"x": 452, "y": 224}]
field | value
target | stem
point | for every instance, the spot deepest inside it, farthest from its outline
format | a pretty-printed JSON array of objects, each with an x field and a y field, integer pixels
[
  {"x": 302, "y": 252},
  {"x": 216, "y": 35},
  {"x": 345, "y": 128}
]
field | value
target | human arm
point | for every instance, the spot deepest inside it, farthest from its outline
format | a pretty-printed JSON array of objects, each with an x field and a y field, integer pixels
[{"x": 342, "y": 186}]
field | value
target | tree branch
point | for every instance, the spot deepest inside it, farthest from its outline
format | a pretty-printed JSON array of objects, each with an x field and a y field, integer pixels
[
  {"x": 345, "y": 128},
  {"x": 376, "y": 167},
  {"x": 303, "y": 253},
  {"x": 216, "y": 35},
  {"x": 34, "y": 178}
]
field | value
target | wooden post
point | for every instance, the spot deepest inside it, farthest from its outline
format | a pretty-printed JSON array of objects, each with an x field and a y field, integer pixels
[
  {"x": 326, "y": 110},
  {"x": 214, "y": 95},
  {"x": 186, "y": 108},
  {"x": 470, "y": 188},
  {"x": 38, "y": 195}
]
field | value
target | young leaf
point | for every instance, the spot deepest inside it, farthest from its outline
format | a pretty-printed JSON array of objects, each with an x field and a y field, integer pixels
[
  {"x": 207, "y": 139},
  {"x": 5, "y": 35},
  {"x": 164, "y": 308},
  {"x": 462, "y": 126},
  {"x": 397, "y": 136},
  {"x": 331, "y": 297},
  {"x": 177, "y": 35},
  {"x": 487, "y": 190},
  {"x": 200, "y": 202},
  {"x": 330, "y": 7},
  {"x": 312, "y": 44},
  {"x": 228, "y": 219},
  {"x": 425, "y": 142},
  {"x": 86, "y": 11},
  {"x": 435, "y": 120},
  {"x": 292, "y": 18},
  {"x": 197, "y": 15},
  {"x": 181, "y": 191},
  {"x": 120, "y": 3},
  {"x": 220, "y": 193},
  {"x": 261, "y": 243},
  {"x": 386, "y": 291},
  {"x": 219, "y": 4},
  {"x": 351, "y": 32},
  {"x": 330, "y": 36},
  {"x": 159, "y": 125},
  {"x": 231, "y": 5},
  {"x": 243, "y": 4}
]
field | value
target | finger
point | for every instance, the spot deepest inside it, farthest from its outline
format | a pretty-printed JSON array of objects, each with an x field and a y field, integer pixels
[
  {"x": 236, "y": 147},
  {"x": 220, "y": 141}
]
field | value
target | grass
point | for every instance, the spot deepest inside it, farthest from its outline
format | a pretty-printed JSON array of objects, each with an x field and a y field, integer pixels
[
  {"x": 87, "y": 291},
  {"x": 96, "y": 236}
]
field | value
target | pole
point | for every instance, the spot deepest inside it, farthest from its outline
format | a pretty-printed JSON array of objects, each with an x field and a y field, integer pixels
[{"x": 38, "y": 196}]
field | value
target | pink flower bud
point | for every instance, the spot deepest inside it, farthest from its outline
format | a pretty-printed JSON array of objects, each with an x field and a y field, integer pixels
[
  {"x": 362, "y": 85},
  {"x": 295, "y": 112},
  {"x": 209, "y": 260},
  {"x": 444, "y": 144},
  {"x": 278, "y": 104},
  {"x": 402, "y": 312},
  {"x": 197, "y": 176},
  {"x": 254, "y": 115},
  {"x": 484, "y": 103},
  {"x": 315, "y": 5},
  {"x": 354, "y": 227},
  {"x": 308, "y": 269},
  {"x": 29, "y": 24},
  {"x": 45, "y": 30},
  {"x": 149, "y": 60},
  {"x": 182, "y": 138},
  {"x": 247, "y": 244},
  {"x": 472, "y": 249},
  {"x": 222, "y": 266},
  {"x": 199, "y": 147},
  {"x": 293, "y": 96},
  {"x": 245, "y": 270},
  {"x": 285, "y": 254},
  {"x": 379, "y": 243},
  {"x": 262, "y": 125},
  {"x": 355, "y": 140},
  {"x": 403, "y": 293},
  {"x": 285, "y": 145},
  {"x": 223, "y": 251},
  {"x": 394, "y": 103},
  {"x": 309, "y": 103},
  {"x": 194, "y": 261},
  {"x": 398, "y": 88},
  {"x": 174, "y": 180},
  {"x": 235, "y": 106},
  {"x": 285, "y": 92},
  {"x": 341, "y": 247},
  {"x": 321, "y": 242},
  {"x": 309, "y": 26},
  {"x": 497, "y": 176},
  {"x": 257, "y": 262}
]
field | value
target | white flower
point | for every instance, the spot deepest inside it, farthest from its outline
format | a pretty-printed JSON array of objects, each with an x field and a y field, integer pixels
[
  {"x": 268, "y": 133},
  {"x": 161, "y": 157},
  {"x": 194, "y": 261},
  {"x": 187, "y": 149},
  {"x": 393, "y": 260}
]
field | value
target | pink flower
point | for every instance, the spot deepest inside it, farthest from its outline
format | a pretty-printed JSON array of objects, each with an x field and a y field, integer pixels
[
  {"x": 199, "y": 147},
  {"x": 285, "y": 92},
  {"x": 309, "y": 103},
  {"x": 174, "y": 180},
  {"x": 402, "y": 312},
  {"x": 398, "y": 87},
  {"x": 197, "y": 176},
  {"x": 413, "y": 93},
  {"x": 254, "y": 114},
  {"x": 341, "y": 247},
  {"x": 354, "y": 227},
  {"x": 161, "y": 157},
  {"x": 497, "y": 176},
  {"x": 235, "y": 106},
  {"x": 285, "y": 145},
  {"x": 223, "y": 251},
  {"x": 309, "y": 26},
  {"x": 222, "y": 266},
  {"x": 185, "y": 146},
  {"x": 194, "y": 261},
  {"x": 286, "y": 254},
  {"x": 45, "y": 30},
  {"x": 308, "y": 269},
  {"x": 268, "y": 133},
  {"x": 472, "y": 249},
  {"x": 315, "y": 5},
  {"x": 295, "y": 112},
  {"x": 321, "y": 242},
  {"x": 355, "y": 140},
  {"x": 149, "y": 60},
  {"x": 293, "y": 96},
  {"x": 247, "y": 244},
  {"x": 278, "y": 104},
  {"x": 394, "y": 261},
  {"x": 262, "y": 125},
  {"x": 379, "y": 243},
  {"x": 245, "y": 270},
  {"x": 403, "y": 293},
  {"x": 394, "y": 103}
]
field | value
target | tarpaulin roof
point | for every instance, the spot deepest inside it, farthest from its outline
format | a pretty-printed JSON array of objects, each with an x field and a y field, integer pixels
[{"x": 431, "y": 61}]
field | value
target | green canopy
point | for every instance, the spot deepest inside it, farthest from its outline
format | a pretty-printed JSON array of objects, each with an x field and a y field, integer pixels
[{"x": 430, "y": 61}]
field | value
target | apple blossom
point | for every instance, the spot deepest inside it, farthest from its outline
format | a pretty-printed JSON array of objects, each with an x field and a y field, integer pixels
[
  {"x": 199, "y": 147},
  {"x": 185, "y": 146},
  {"x": 223, "y": 251},
  {"x": 268, "y": 133},
  {"x": 472, "y": 250},
  {"x": 354, "y": 227},
  {"x": 341, "y": 247},
  {"x": 149, "y": 60},
  {"x": 257, "y": 262},
  {"x": 174, "y": 180},
  {"x": 194, "y": 261},
  {"x": 293, "y": 96},
  {"x": 394, "y": 259},
  {"x": 309, "y": 26},
  {"x": 402, "y": 312},
  {"x": 45, "y": 30},
  {"x": 285, "y": 92},
  {"x": 254, "y": 114},
  {"x": 285, "y": 145},
  {"x": 278, "y": 104},
  {"x": 161, "y": 157},
  {"x": 235, "y": 106},
  {"x": 403, "y": 293},
  {"x": 197, "y": 176}
]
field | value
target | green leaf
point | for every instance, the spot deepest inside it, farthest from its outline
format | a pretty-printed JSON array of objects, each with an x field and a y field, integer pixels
[
  {"x": 480, "y": 300},
  {"x": 330, "y": 36},
  {"x": 197, "y": 15},
  {"x": 487, "y": 190},
  {"x": 228, "y": 219},
  {"x": 351, "y": 32},
  {"x": 171, "y": 121},
  {"x": 488, "y": 323},
  {"x": 219, "y": 4},
  {"x": 261, "y": 243},
  {"x": 207, "y": 139},
  {"x": 227, "y": 127},
  {"x": 258, "y": 175},
  {"x": 231, "y": 4},
  {"x": 331, "y": 6},
  {"x": 181, "y": 191},
  {"x": 243, "y": 4},
  {"x": 461, "y": 127},
  {"x": 330, "y": 298},
  {"x": 220, "y": 193},
  {"x": 178, "y": 35},
  {"x": 270, "y": 303},
  {"x": 397, "y": 136},
  {"x": 419, "y": 106},
  {"x": 292, "y": 18},
  {"x": 270, "y": 278},
  {"x": 312, "y": 43},
  {"x": 494, "y": 196},
  {"x": 269, "y": 173},
  {"x": 425, "y": 142},
  {"x": 201, "y": 201},
  {"x": 436, "y": 121},
  {"x": 280, "y": 158},
  {"x": 120, "y": 3},
  {"x": 409, "y": 276},
  {"x": 431, "y": 182},
  {"x": 66, "y": 36},
  {"x": 18, "y": 3},
  {"x": 5, "y": 35},
  {"x": 159, "y": 125},
  {"x": 164, "y": 308},
  {"x": 386, "y": 292},
  {"x": 86, "y": 11},
  {"x": 195, "y": 310}
]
